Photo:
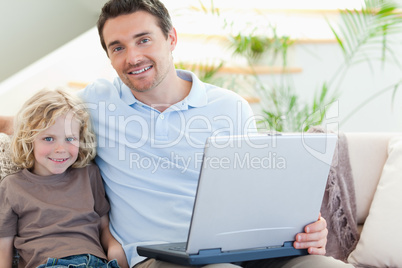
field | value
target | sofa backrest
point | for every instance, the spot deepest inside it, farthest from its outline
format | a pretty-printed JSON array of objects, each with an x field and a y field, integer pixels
[
  {"x": 368, "y": 153},
  {"x": 6, "y": 165}
]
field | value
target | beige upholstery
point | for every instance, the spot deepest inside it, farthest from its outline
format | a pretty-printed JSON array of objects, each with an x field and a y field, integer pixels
[
  {"x": 376, "y": 160},
  {"x": 6, "y": 165},
  {"x": 368, "y": 153}
]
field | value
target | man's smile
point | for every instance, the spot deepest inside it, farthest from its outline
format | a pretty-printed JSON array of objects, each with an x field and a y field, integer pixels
[{"x": 141, "y": 71}]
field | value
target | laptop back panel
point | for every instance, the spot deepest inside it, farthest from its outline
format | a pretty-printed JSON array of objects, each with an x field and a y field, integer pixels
[
  {"x": 259, "y": 191},
  {"x": 254, "y": 194}
]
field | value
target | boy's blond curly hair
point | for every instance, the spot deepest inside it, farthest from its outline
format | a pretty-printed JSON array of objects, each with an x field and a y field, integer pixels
[{"x": 39, "y": 113}]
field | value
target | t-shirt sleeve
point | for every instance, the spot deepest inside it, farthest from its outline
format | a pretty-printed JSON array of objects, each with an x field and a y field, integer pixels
[
  {"x": 8, "y": 218},
  {"x": 101, "y": 203}
]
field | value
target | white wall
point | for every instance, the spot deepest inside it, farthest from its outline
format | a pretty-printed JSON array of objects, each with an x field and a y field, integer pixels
[
  {"x": 361, "y": 82},
  {"x": 81, "y": 60},
  {"x": 32, "y": 29}
]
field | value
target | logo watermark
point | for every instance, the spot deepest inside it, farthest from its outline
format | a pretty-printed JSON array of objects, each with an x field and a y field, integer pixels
[
  {"x": 270, "y": 160},
  {"x": 177, "y": 128}
]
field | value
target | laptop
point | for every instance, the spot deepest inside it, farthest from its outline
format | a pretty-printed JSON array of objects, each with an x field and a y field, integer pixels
[{"x": 254, "y": 194}]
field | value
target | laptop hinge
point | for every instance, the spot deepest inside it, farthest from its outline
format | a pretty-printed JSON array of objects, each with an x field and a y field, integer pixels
[
  {"x": 215, "y": 251},
  {"x": 288, "y": 244},
  {"x": 212, "y": 251}
]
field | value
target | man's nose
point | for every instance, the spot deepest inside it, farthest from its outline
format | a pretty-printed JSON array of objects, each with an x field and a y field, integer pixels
[{"x": 133, "y": 56}]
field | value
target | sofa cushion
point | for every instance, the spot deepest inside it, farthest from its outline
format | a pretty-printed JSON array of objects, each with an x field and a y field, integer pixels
[
  {"x": 379, "y": 242},
  {"x": 6, "y": 165},
  {"x": 367, "y": 153}
]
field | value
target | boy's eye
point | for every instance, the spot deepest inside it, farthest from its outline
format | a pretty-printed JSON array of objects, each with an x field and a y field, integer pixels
[
  {"x": 71, "y": 139},
  {"x": 48, "y": 139}
]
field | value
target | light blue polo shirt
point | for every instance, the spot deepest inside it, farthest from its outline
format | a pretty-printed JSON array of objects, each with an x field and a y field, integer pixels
[{"x": 150, "y": 161}]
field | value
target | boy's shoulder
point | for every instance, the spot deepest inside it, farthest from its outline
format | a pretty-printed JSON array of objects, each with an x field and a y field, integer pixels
[
  {"x": 11, "y": 181},
  {"x": 91, "y": 170}
]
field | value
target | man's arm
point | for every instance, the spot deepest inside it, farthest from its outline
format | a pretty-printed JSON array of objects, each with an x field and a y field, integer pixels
[
  {"x": 6, "y": 251},
  {"x": 314, "y": 237},
  {"x": 6, "y": 124},
  {"x": 111, "y": 246}
]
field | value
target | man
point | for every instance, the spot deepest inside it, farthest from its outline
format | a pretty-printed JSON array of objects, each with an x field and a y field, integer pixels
[{"x": 151, "y": 124}]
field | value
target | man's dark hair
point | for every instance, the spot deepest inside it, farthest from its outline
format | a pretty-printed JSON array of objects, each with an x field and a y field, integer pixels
[{"x": 115, "y": 8}]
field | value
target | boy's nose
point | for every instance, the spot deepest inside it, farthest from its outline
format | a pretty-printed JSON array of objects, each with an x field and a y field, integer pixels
[{"x": 60, "y": 148}]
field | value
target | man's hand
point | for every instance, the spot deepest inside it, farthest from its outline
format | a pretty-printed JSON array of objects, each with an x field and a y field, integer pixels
[{"x": 314, "y": 238}]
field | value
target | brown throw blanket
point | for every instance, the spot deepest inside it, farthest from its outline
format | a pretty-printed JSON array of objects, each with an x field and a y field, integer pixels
[{"x": 339, "y": 203}]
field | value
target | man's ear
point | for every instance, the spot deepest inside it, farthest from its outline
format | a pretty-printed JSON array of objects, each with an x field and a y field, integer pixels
[{"x": 172, "y": 38}]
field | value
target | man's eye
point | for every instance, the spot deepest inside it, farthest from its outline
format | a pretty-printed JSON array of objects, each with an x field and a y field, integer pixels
[
  {"x": 145, "y": 40},
  {"x": 48, "y": 139},
  {"x": 117, "y": 49}
]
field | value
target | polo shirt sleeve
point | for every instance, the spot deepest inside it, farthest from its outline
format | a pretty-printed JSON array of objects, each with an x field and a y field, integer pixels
[
  {"x": 99, "y": 90},
  {"x": 248, "y": 119}
]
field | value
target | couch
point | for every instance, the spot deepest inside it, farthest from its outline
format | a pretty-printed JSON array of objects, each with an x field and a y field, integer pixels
[
  {"x": 376, "y": 162},
  {"x": 376, "y": 168}
]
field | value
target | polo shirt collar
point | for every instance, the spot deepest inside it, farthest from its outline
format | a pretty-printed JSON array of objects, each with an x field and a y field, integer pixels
[
  {"x": 196, "y": 98},
  {"x": 198, "y": 94},
  {"x": 126, "y": 95}
]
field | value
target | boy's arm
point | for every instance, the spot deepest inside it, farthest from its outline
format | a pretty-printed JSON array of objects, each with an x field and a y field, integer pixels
[
  {"x": 111, "y": 246},
  {"x": 6, "y": 251},
  {"x": 6, "y": 124}
]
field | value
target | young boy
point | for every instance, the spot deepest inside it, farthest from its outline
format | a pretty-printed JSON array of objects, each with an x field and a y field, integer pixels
[{"x": 54, "y": 211}]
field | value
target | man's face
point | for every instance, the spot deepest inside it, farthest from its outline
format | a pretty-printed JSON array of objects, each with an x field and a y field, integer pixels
[{"x": 139, "y": 51}]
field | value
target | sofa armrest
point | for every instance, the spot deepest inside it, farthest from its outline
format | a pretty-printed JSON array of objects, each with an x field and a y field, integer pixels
[{"x": 368, "y": 153}]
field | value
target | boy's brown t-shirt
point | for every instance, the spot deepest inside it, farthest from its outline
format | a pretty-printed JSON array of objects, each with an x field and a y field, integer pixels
[{"x": 53, "y": 216}]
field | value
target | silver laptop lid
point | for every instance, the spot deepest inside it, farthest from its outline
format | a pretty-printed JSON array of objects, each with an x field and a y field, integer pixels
[{"x": 259, "y": 191}]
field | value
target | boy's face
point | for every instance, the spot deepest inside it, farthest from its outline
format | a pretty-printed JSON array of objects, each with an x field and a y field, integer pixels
[{"x": 56, "y": 148}]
